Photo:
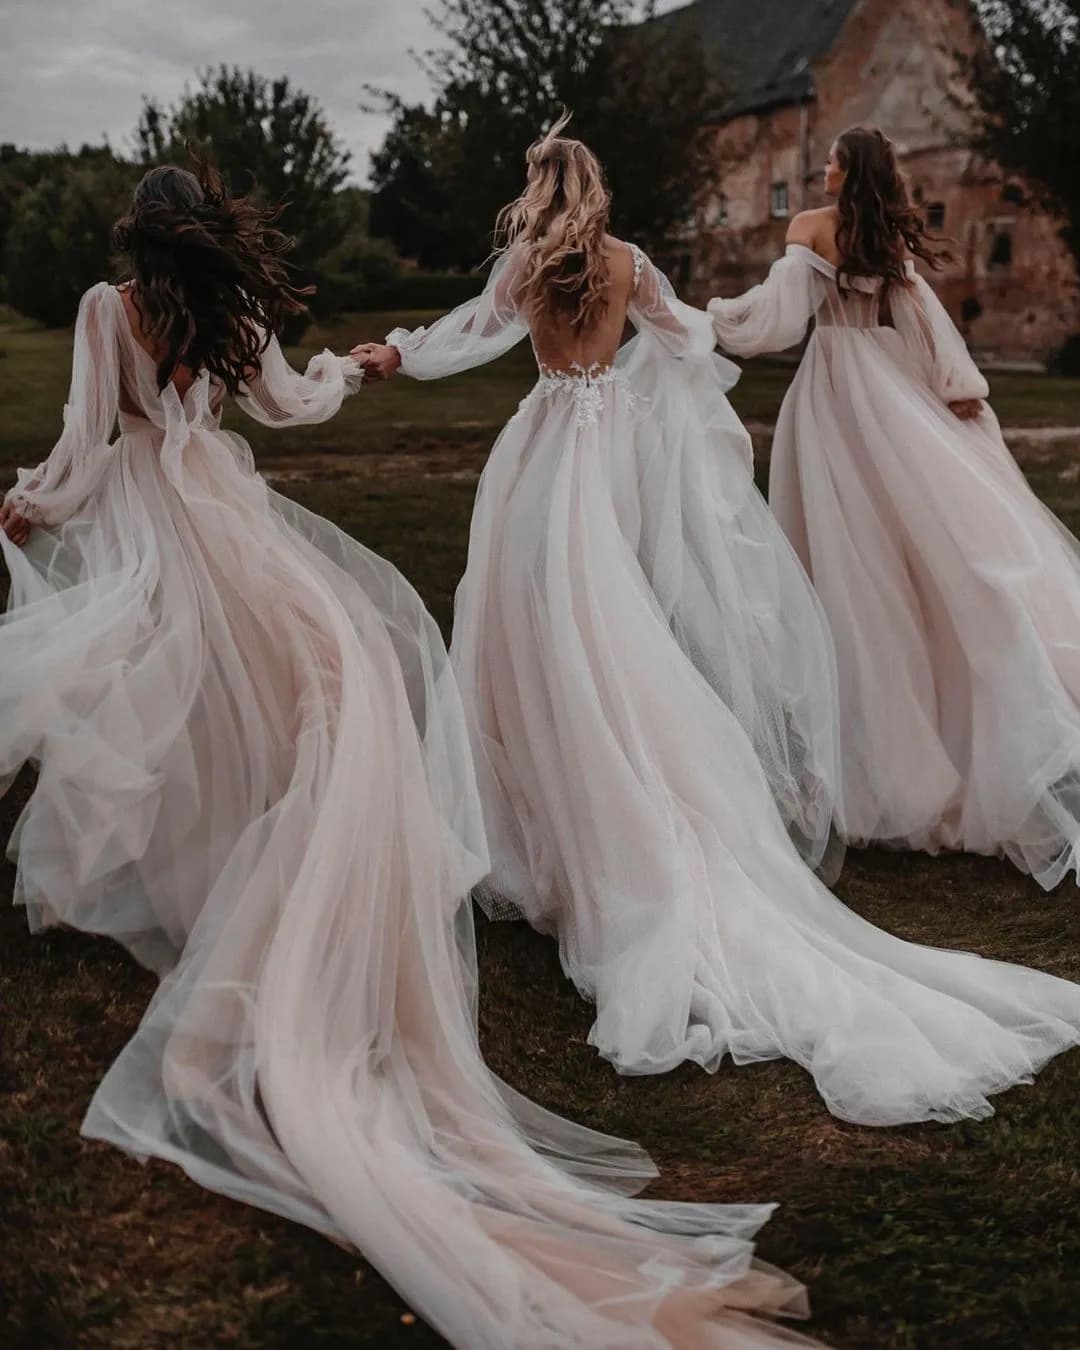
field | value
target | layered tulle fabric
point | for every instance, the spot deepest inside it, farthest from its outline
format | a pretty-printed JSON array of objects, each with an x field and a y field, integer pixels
[
  {"x": 254, "y": 771},
  {"x": 952, "y": 593},
  {"x": 653, "y": 447},
  {"x": 631, "y": 810}
]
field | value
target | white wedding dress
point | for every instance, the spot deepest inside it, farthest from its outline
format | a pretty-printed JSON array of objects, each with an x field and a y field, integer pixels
[
  {"x": 952, "y": 592},
  {"x": 643, "y": 673},
  {"x": 254, "y": 772}
]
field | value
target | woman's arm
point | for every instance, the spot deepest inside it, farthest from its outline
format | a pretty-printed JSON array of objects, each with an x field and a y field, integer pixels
[
  {"x": 774, "y": 315},
  {"x": 279, "y": 396},
  {"x": 655, "y": 309},
  {"x": 471, "y": 335},
  {"x": 57, "y": 488},
  {"x": 932, "y": 338}
]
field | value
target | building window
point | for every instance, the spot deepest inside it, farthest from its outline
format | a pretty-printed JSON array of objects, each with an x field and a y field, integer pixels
[
  {"x": 718, "y": 210},
  {"x": 779, "y": 200},
  {"x": 1001, "y": 250},
  {"x": 935, "y": 216}
]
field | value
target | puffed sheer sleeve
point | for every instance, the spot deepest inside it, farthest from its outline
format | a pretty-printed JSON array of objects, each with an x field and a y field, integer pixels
[
  {"x": 655, "y": 309},
  {"x": 773, "y": 316},
  {"x": 54, "y": 491},
  {"x": 279, "y": 396},
  {"x": 932, "y": 338},
  {"x": 471, "y": 335}
]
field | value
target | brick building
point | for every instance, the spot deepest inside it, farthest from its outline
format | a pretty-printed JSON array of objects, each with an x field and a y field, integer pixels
[{"x": 795, "y": 73}]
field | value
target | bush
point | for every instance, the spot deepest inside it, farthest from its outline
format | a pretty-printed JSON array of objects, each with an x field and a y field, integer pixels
[
  {"x": 354, "y": 274},
  {"x": 429, "y": 290},
  {"x": 58, "y": 243}
]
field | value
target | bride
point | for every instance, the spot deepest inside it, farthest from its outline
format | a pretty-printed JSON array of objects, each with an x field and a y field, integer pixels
[
  {"x": 953, "y": 593},
  {"x": 254, "y": 772},
  {"x": 645, "y": 681}
]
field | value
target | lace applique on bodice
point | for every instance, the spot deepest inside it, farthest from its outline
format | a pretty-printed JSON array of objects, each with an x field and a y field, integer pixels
[
  {"x": 639, "y": 263},
  {"x": 586, "y": 385}
]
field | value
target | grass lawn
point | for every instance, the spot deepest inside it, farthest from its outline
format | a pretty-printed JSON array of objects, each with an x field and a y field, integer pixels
[{"x": 962, "y": 1238}]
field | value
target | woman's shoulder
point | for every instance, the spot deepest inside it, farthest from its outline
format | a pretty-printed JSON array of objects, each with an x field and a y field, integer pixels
[
  {"x": 814, "y": 229},
  {"x": 626, "y": 259},
  {"x": 620, "y": 248}
]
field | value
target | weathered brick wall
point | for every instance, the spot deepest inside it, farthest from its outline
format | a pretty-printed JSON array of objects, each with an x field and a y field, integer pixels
[{"x": 1015, "y": 297}]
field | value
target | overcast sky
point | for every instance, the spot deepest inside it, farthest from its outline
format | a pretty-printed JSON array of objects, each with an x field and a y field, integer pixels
[{"x": 76, "y": 70}]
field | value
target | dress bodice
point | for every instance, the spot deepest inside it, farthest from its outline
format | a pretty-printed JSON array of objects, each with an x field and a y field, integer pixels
[
  {"x": 114, "y": 382},
  {"x": 848, "y": 301}
]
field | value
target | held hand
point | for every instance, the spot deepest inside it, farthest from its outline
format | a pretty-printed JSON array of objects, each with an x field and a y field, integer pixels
[
  {"x": 967, "y": 408},
  {"x": 378, "y": 360},
  {"x": 16, "y": 527}
]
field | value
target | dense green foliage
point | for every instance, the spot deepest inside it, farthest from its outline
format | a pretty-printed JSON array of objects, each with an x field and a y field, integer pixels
[
  {"x": 505, "y": 69},
  {"x": 1026, "y": 82}
]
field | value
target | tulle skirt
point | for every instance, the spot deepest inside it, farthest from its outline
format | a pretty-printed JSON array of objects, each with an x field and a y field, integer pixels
[
  {"x": 954, "y": 601},
  {"x": 254, "y": 772},
  {"x": 628, "y": 807}
]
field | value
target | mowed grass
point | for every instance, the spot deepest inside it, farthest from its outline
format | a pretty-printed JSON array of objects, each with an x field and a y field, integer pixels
[
  {"x": 412, "y": 416},
  {"x": 962, "y": 1237}
]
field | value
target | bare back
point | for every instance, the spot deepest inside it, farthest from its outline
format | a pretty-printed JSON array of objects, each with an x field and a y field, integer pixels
[
  {"x": 183, "y": 376},
  {"x": 560, "y": 347}
]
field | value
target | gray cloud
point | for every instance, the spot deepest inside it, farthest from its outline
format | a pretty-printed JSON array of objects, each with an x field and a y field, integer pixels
[{"x": 77, "y": 70}]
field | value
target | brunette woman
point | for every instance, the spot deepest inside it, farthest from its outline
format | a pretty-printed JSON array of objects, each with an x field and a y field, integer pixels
[{"x": 953, "y": 594}]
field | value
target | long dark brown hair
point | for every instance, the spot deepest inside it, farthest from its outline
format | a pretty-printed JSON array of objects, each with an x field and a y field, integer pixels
[
  {"x": 879, "y": 223},
  {"x": 208, "y": 272}
]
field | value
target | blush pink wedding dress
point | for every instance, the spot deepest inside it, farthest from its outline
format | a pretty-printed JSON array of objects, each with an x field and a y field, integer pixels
[
  {"x": 953, "y": 594},
  {"x": 254, "y": 771}
]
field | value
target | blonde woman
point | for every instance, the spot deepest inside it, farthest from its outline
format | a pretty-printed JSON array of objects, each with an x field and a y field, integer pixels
[{"x": 645, "y": 679}]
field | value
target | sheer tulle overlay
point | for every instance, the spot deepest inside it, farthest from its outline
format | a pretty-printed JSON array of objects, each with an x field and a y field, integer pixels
[
  {"x": 254, "y": 772},
  {"x": 621, "y": 575},
  {"x": 953, "y": 594}
]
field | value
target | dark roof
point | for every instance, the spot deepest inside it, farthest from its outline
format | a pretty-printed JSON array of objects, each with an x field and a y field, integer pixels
[{"x": 763, "y": 50}]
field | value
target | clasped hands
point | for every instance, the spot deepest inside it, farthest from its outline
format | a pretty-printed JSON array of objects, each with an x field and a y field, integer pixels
[
  {"x": 377, "y": 360},
  {"x": 15, "y": 526}
]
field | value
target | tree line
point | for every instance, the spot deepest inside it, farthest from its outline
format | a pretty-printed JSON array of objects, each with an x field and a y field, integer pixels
[
  {"x": 424, "y": 227},
  {"x": 641, "y": 92}
]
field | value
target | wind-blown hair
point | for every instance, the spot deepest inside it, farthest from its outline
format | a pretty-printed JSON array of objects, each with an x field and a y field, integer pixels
[
  {"x": 879, "y": 223},
  {"x": 560, "y": 222},
  {"x": 208, "y": 274}
]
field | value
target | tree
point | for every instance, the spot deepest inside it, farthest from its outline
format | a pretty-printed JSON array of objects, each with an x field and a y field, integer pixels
[
  {"x": 1026, "y": 82},
  {"x": 415, "y": 176},
  {"x": 266, "y": 137},
  {"x": 639, "y": 94},
  {"x": 57, "y": 244}
]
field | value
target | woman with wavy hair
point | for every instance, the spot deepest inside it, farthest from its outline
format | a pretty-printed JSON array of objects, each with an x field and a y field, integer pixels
[
  {"x": 254, "y": 771},
  {"x": 953, "y": 594},
  {"x": 648, "y": 686}
]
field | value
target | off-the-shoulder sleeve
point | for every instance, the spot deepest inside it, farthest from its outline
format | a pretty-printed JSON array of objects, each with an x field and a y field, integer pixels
[
  {"x": 932, "y": 338},
  {"x": 279, "y": 396},
  {"x": 57, "y": 488},
  {"x": 773, "y": 316},
  {"x": 655, "y": 309},
  {"x": 471, "y": 335}
]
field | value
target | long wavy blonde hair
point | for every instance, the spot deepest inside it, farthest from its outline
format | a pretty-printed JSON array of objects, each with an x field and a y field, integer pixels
[{"x": 560, "y": 222}]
